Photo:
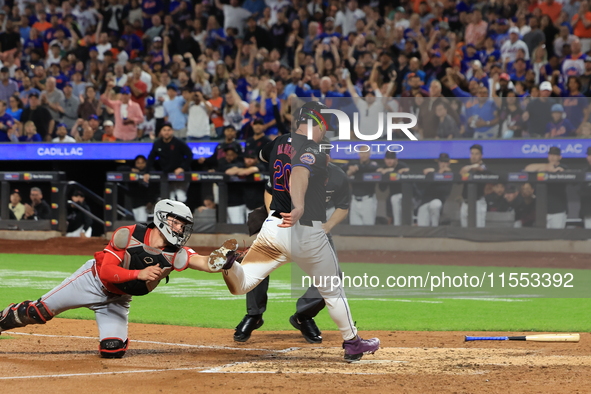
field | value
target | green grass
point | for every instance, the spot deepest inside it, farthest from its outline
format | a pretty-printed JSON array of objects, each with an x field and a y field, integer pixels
[{"x": 199, "y": 299}]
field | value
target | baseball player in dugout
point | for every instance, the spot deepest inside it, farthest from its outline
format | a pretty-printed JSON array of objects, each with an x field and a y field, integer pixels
[
  {"x": 338, "y": 197},
  {"x": 434, "y": 194},
  {"x": 392, "y": 164},
  {"x": 293, "y": 230},
  {"x": 364, "y": 203},
  {"x": 134, "y": 262}
]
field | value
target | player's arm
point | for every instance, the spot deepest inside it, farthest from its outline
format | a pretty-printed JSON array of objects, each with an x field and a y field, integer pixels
[
  {"x": 188, "y": 258},
  {"x": 298, "y": 185},
  {"x": 112, "y": 272},
  {"x": 536, "y": 167},
  {"x": 338, "y": 216}
]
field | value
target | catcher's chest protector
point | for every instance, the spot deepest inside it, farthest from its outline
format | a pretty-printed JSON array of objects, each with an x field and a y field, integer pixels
[{"x": 139, "y": 256}]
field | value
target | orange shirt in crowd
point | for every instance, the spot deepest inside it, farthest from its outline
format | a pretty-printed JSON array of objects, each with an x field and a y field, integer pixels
[
  {"x": 217, "y": 120},
  {"x": 579, "y": 28},
  {"x": 552, "y": 10},
  {"x": 41, "y": 26}
]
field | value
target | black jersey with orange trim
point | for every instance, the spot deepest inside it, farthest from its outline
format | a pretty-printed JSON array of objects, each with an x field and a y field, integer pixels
[{"x": 293, "y": 150}]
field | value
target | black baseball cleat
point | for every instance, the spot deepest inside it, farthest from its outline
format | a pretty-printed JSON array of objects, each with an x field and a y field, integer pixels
[
  {"x": 247, "y": 326},
  {"x": 307, "y": 327}
]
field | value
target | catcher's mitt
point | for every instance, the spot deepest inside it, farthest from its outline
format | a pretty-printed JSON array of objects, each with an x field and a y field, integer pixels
[
  {"x": 224, "y": 256},
  {"x": 256, "y": 219}
]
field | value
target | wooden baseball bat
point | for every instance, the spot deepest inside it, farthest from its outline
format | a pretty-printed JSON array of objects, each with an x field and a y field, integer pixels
[{"x": 535, "y": 338}]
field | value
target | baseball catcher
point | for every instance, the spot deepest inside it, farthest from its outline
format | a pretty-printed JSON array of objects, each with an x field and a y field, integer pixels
[{"x": 134, "y": 262}]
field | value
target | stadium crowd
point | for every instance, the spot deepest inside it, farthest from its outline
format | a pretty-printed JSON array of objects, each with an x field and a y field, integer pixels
[
  {"x": 118, "y": 69},
  {"x": 123, "y": 70}
]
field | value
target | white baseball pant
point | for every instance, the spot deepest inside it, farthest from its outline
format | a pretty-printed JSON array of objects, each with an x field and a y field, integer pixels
[
  {"x": 363, "y": 210},
  {"x": 556, "y": 220},
  {"x": 480, "y": 213},
  {"x": 428, "y": 214},
  {"x": 309, "y": 247},
  {"x": 237, "y": 214},
  {"x": 84, "y": 289}
]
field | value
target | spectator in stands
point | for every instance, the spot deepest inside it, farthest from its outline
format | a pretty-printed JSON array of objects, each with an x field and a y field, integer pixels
[
  {"x": 483, "y": 116},
  {"x": 364, "y": 202},
  {"x": 15, "y": 107},
  {"x": 69, "y": 105},
  {"x": 89, "y": 104},
  {"x": 7, "y": 86},
  {"x": 7, "y": 124},
  {"x": 434, "y": 194},
  {"x": 62, "y": 134},
  {"x": 198, "y": 110},
  {"x": 30, "y": 133},
  {"x": 511, "y": 46},
  {"x": 557, "y": 200},
  {"x": 560, "y": 125},
  {"x": 172, "y": 156},
  {"x": 538, "y": 112},
  {"x": 51, "y": 98},
  {"x": 128, "y": 114},
  {"x": 38, "y": 209},
  {"x": 17, "y": 209},
  {"x": 476, "y": 166},
  {"x": 524, "y": 206},
  {"x": 105, "y": 133},
  {"x": 79, "y": 223},
  {"x": 447, "y": 127},
  {"x": 173, "y": 112}
]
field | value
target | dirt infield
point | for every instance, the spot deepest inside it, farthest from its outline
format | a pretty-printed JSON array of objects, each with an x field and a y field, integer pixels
[{"x": 61, "y": 356}]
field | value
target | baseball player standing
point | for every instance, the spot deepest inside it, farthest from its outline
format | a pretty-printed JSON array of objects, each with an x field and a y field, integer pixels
[
  {"x": 392, "y": 164},
  {"x": 136, "y": 259},
  {"x": 364, "y": 203},
  {"x": 476, "y": 166},
  {"x": 293, "y": 229},
  {"x": 434, "y": 194},
  {"x": 338, "y": 197}
]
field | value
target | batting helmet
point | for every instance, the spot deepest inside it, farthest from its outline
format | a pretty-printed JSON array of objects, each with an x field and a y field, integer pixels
[{"x": 312, "y": 110}]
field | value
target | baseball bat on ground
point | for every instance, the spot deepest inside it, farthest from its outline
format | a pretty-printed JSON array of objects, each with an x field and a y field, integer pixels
[{"x": 536, "y": 338}]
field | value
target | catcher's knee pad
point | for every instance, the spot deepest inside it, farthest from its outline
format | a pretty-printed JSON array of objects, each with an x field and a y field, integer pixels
[
  {"x": 25, "y": 313},
  {"x": 113, "y": 347}
]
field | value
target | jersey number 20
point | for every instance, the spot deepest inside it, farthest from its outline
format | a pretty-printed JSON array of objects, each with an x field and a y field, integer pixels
[{"x": 281, "y": 176}]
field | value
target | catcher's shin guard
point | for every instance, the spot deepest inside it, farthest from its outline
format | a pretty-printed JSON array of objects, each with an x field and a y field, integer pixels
[
  {"x": 25, "y": 313},
  {"x": 113, "y": 347}
]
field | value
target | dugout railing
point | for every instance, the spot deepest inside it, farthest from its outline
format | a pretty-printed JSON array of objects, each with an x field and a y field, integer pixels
[{"x": 540, "y": 180}]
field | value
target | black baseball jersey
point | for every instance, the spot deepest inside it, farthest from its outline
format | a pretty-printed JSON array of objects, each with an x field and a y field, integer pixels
[
  {"x": 293, "y": 150},
  {"x": 360, "y": 188},
  {"x": 338, "y": 192}
]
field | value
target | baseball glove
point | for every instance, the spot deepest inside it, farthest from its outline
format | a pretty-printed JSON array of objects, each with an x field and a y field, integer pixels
[{"x": 224, "y": 256}]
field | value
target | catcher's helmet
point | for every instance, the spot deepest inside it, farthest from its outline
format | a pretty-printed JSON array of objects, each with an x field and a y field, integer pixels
[
  {"x": 175, "y": 209},
  {"x": 311, "y": 110}
]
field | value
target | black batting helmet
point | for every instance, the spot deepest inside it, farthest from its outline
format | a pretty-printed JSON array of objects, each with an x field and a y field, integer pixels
[{"x": 311, "y": 110}]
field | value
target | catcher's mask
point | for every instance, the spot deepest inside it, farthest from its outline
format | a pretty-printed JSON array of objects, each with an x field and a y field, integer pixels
[{"x": 174, "y": 220}]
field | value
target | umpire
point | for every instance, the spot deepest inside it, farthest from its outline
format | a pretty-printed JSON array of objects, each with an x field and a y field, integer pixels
[{"x": 338, "y": 197}]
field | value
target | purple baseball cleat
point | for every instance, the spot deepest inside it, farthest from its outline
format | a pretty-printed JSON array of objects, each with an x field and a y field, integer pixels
[{"x": 357, "y": 347}]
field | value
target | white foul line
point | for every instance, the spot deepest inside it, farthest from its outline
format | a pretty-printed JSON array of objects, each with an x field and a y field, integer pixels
[
  {"x": 152, "y": 342},
  {"x": 65, "y": 375}
]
